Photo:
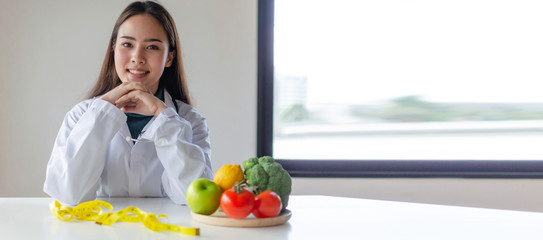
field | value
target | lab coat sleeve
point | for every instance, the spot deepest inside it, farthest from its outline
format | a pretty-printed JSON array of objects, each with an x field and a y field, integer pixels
[
  {"x": 79, "y": 152},
  {"x": 183, "y": 148}
]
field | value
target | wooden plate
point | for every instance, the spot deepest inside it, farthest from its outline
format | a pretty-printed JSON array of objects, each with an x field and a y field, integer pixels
[{"x": 220, "y": 219}]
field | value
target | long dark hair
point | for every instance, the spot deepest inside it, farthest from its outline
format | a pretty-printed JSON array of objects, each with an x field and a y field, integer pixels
[{"x": 173, "y": 77}]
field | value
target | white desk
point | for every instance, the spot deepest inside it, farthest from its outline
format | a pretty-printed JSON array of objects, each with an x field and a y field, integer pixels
[{"x": 313, "y": 217}]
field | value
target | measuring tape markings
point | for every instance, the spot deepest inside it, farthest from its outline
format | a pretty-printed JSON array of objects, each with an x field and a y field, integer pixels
[{"x": 92, "y": 211}]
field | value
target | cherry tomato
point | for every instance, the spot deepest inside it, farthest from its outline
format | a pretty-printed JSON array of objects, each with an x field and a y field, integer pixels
[
  {"x": 267, "y": 204},
  {"x": 237, "y": 204}
]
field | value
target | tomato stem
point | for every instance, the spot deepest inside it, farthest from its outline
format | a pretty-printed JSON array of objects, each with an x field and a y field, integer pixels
[{"x": 238, "y": 187}]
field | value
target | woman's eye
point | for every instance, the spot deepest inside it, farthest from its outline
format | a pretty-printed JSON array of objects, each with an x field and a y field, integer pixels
[
  {"x": 152, "y": 47},
  {"x": 127, "y": 45}
]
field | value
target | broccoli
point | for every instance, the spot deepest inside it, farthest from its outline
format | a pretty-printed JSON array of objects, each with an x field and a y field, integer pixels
[{"x": 265, "y": 174}]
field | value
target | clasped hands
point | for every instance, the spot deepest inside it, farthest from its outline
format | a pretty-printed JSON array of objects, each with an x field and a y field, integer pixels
[{"x": 134, "y": 97}]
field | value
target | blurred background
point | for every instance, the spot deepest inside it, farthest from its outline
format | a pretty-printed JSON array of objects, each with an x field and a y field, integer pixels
[{"x": 51, "y": 53}]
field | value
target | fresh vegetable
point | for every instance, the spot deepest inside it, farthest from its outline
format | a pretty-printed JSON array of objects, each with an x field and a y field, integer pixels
[
  {"x": 265, "y": 174},
  {"x": 267, "y": 204},
  {"x": 203, "y": 196},
  {"x": 228, "y": 175},
  {"x": 237, "y": 202}
]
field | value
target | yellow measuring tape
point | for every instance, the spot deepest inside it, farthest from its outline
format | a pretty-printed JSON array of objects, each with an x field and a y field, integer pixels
[{"x": 92, "y": 211}]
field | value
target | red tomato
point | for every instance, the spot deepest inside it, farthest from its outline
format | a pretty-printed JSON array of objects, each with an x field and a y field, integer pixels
[
  {"x": 237, "y": 205},
  {"x": 267, "y": 204}
]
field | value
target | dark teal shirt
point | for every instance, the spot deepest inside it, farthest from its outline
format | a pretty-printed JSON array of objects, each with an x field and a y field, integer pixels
[{"x": 137, "y": 122}]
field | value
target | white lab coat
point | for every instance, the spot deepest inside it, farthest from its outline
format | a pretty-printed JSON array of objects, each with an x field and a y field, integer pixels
[{"x": 91, "y": 156}]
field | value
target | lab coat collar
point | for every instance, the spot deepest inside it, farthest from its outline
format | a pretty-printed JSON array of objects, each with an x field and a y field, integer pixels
[{"x": 168, "y": 100}]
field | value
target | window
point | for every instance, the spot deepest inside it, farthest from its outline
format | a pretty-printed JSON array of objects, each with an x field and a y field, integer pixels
[{"x": 401, "y": 88}]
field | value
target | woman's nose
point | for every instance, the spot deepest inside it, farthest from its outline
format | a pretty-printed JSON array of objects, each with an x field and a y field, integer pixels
[{"x": 138, "y": 57}]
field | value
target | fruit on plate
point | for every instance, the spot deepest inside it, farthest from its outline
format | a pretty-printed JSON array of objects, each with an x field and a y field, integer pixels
[
  {"x": 267, "y": 204},
  {"x": 237, "y": 202},
  {"x": 203, "y": 196},
  {"x": 228, "y": 175}
]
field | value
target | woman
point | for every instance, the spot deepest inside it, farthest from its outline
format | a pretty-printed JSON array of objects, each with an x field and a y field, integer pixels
[{"x": 137, "y": 135}]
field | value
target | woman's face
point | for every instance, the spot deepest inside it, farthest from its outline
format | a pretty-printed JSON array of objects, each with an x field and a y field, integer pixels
[{"x": 141, "y": 51}]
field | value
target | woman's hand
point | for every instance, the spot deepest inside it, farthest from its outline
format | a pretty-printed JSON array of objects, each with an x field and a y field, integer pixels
[
  {"x": 140, "y": 102},
  {"x": 123, "y": 89},
  {"x": 135, "y": 98}
]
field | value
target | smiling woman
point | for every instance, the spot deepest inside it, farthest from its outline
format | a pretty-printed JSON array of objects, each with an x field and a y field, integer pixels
[
  {"x": 173, "y": 77},
  {"x": 140, "y": 92}
]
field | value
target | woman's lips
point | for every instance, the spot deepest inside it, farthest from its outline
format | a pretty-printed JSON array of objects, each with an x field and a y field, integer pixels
[{"x": 137, "y": 73}]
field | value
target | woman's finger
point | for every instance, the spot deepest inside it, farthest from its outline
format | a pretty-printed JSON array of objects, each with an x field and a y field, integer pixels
[
  {"x": 132, "y": 96},
  {"x": 113, "y": 95},
  {"x": 137, "y": 101},
  {"x": 125, "y": 88},
  {"x": 140, "y": 102},
  {"x": 130, "y": 86}
]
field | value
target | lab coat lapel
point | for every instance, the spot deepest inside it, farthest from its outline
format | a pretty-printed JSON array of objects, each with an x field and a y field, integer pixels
[{"x": 168, "y": 100}]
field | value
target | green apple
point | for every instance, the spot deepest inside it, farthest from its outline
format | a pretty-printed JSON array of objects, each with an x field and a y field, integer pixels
[{"x": 203, "y": 196}]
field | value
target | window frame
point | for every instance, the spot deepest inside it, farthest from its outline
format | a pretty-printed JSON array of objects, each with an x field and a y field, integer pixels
[{"x": 362, "y": 168}]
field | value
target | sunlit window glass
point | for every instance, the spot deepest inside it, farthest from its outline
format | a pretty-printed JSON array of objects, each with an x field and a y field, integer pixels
[{"x": 413, "y": 80}]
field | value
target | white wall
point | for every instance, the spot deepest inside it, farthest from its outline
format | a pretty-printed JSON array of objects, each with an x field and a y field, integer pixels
[{"x": 51, "y": 53}]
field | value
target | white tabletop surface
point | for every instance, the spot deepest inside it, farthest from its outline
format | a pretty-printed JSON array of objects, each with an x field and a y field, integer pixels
[{"x": 313, "y": 217}]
